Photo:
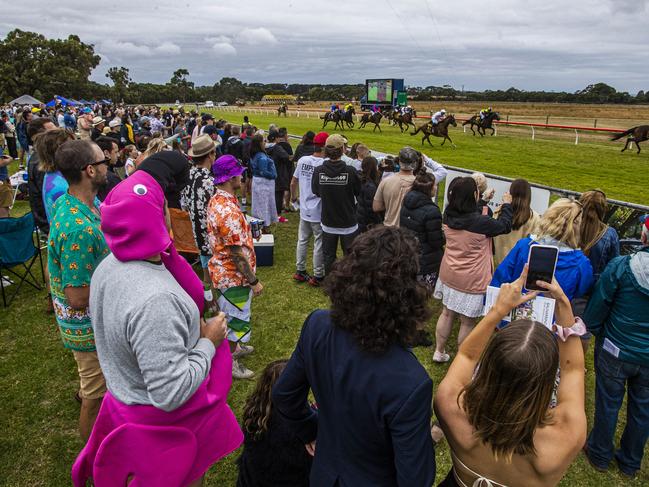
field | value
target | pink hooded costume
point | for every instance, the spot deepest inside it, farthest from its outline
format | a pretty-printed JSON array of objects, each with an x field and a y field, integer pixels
[{"x": 142, "y": 441}]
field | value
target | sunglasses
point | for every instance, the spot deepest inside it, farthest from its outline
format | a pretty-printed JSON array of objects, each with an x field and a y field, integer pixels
[{"x": 97, "y": 163}]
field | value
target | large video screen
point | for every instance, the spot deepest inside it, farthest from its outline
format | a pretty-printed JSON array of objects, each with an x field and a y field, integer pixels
[{"x": 379, "y": 91}]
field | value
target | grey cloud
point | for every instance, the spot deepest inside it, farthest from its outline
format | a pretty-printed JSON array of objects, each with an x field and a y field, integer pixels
[{"x": 551, "y": 45}]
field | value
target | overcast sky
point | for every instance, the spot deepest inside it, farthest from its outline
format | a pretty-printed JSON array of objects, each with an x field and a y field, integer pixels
[{"x": 479, "y": 44}]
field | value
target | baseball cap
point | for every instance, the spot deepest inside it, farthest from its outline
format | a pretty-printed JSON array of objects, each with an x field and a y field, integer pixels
[
  {"x": 115, "y": 122},
  {"x": 320, "y": 139},
  {"x": 206, "y": 117},
  {"x": 335, "y": 141},
  {"x": 210, "y": 130}
]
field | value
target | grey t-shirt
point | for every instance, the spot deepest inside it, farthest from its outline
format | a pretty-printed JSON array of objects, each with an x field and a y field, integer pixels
[{"x": 147, "y": 331}]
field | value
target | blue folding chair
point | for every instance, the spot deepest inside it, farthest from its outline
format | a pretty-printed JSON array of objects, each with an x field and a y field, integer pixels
[{"x": 17, "y": 249}]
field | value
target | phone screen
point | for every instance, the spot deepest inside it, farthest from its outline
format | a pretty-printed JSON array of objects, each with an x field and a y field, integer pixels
[{"x": 541, "y": 265}]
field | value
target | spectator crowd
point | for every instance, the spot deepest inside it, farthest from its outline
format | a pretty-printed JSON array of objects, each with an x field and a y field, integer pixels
[{"x": 158, "y": 335}]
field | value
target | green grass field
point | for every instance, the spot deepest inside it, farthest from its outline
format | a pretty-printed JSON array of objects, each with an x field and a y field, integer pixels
[
  {"x": 551, "y": 161},
  {"x": 38, "y": 380}
]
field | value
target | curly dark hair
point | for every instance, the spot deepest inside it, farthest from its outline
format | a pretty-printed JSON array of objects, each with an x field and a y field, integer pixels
[
  {"x": 258, "y": 408},
  {"x": 374, "y": 290}
]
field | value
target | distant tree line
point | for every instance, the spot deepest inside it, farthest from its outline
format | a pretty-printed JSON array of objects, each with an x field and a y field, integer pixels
[{"x": 32, "y": 64}]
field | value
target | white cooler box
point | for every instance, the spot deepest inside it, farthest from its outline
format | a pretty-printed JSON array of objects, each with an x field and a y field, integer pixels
[{"x": 264, "y": 248}]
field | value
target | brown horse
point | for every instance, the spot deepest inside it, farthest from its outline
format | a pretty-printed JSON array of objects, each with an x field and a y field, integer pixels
[
  {"x": 282, "y": 109},
  {"x": 439, "y": 130},
  {"x": 405, "y": 121},
  {"x": 335, "y": 117},
  {"x": 374, "y": 118},
  {"x": 487, "y": 123},
  {"x": 636, "y": 135}
]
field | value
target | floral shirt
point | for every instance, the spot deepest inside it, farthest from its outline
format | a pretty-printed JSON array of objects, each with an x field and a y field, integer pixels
[
  {"x": 76, "y": 246},
  {"x": 194, "y": 200},
  {"x": 227, "y": 226}
]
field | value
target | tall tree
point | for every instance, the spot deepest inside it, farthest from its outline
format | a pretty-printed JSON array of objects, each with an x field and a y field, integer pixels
[
  {"x": 30, "y": 61},
  {"x": 121, "y": 80},
  {"x": 180, "y": 83}
]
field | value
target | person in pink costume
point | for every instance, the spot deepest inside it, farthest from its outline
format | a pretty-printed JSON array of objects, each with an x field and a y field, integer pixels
[{"x": 185, "y": 409}]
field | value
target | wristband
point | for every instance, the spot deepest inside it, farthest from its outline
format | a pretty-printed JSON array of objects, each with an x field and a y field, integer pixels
[
  {"x": 255, "y": 282},
  {"x": 578, "y": 329}
]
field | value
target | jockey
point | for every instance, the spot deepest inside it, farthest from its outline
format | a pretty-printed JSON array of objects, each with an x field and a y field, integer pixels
[
  {"x": 375, "y": 108},
  {"x": 348, "y": 107},
  {"x": 484, "y": 112},
  {"x": 407, "y": 109},
  {"x": 334, "y": 107},
  {"x": 438, "y": 117}
]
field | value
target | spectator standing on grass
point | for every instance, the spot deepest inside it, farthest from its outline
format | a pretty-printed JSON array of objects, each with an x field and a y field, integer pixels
[
  {"x": 372, "y": 425},
  {"x": 76, "y": 247},
  {"x": 338, "y": 185},
  {"x": 284, "y": 167},
  {"x": 559, "y": 227},
  {"x": 421, "y": 215},
  {"x": 390, "y": 193},
  {"x": 272, "y": 454},
  {"x": 370, "y": 179},
  {"x": 525, "y": 220},
  {"x": 35, "y": 176},
  {"x": 54, "y": 183},
  {"x": 264, "y": 174},
  {"x": 10, "y": 136},
  {"x": 493, "y": 404},
  {"x": 233, "y": 263},
  {"x": 305, "y": 147},
  {"x": 618, "y": 315},
  {"x": 599, "y": 242},
  {"x": 23, "y": 137},
  {"x": 466, "y": 267},
  {"x": 111, "y": 152},
  {"x": 165, "y": 366},
  {"x": 486, "y": 194},
  {"x": 197, "y": 194},
  {"x": 310, "y": 213}
]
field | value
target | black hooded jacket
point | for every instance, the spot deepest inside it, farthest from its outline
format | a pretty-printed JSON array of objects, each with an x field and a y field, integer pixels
[
  {"x": 337, "y": 184},
  {"x": 171, "y": 170},
  {"x": 421, "y": 215}
]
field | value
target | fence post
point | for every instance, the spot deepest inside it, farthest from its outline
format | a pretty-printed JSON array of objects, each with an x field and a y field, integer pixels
[
  {"x": 533, "y": 133},
  {"x": 595, "y": 125},
  {"x": 576, "y": 137},
  {"x": 495, "y": 130},
  {"x": 547, "y": 119},
  {"x": 507, "y": 118}
]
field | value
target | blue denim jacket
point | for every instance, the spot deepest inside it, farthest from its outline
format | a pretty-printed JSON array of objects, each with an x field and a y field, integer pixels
[
  {"x": 263, "y": 166},
  {"x": 606, "y": 249}
]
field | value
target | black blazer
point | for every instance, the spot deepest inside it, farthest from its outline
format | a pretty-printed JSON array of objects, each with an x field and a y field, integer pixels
[{"x": 373, "y": 420}]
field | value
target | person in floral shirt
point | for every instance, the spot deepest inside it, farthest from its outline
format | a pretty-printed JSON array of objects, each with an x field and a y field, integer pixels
[
  {"x": 233, "y": 263},
  {"x": 196, "y": 195},
  {"x": 75, "y": 248}
]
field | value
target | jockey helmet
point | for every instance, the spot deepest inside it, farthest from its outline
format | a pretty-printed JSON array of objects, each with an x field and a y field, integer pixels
[{"x": 443, "y": 111}]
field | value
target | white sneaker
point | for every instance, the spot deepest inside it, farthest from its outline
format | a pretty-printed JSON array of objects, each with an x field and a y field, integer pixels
[
  {"x": 441, "y": 358},
  {"x": 241, "y": 372},
  {"x": 242, "y": 350}
]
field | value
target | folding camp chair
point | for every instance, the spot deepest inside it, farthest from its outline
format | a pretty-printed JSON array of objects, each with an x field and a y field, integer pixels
[{"x": 17, "y": 248}]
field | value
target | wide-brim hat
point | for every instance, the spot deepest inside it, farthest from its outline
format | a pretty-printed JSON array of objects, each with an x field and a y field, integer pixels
[
  {"x": 97, "y": 121},
  {"x": 225, "y": 168},
  {"x": 203, "y": 145}
]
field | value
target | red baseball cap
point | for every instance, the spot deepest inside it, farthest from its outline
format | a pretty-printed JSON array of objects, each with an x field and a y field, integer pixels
[{"x": 320, "y": 139}]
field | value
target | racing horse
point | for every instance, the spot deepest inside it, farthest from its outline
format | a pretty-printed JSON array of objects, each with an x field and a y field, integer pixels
[
  {"x": 439, "y": 130},
  {"x": 348, "y": 118},
  {"x": 635, "y": 136},
  {"x": 405, "y": 121},
  {"x": 482, "y": 125},
  {"x": 374, "y": 118},
  {"x": 282, "y": 109},
  {"x": 335, "y": 117}
]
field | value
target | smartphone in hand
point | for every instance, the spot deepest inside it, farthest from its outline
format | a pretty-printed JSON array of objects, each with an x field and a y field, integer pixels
[{"x": 542, "y": 262}]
